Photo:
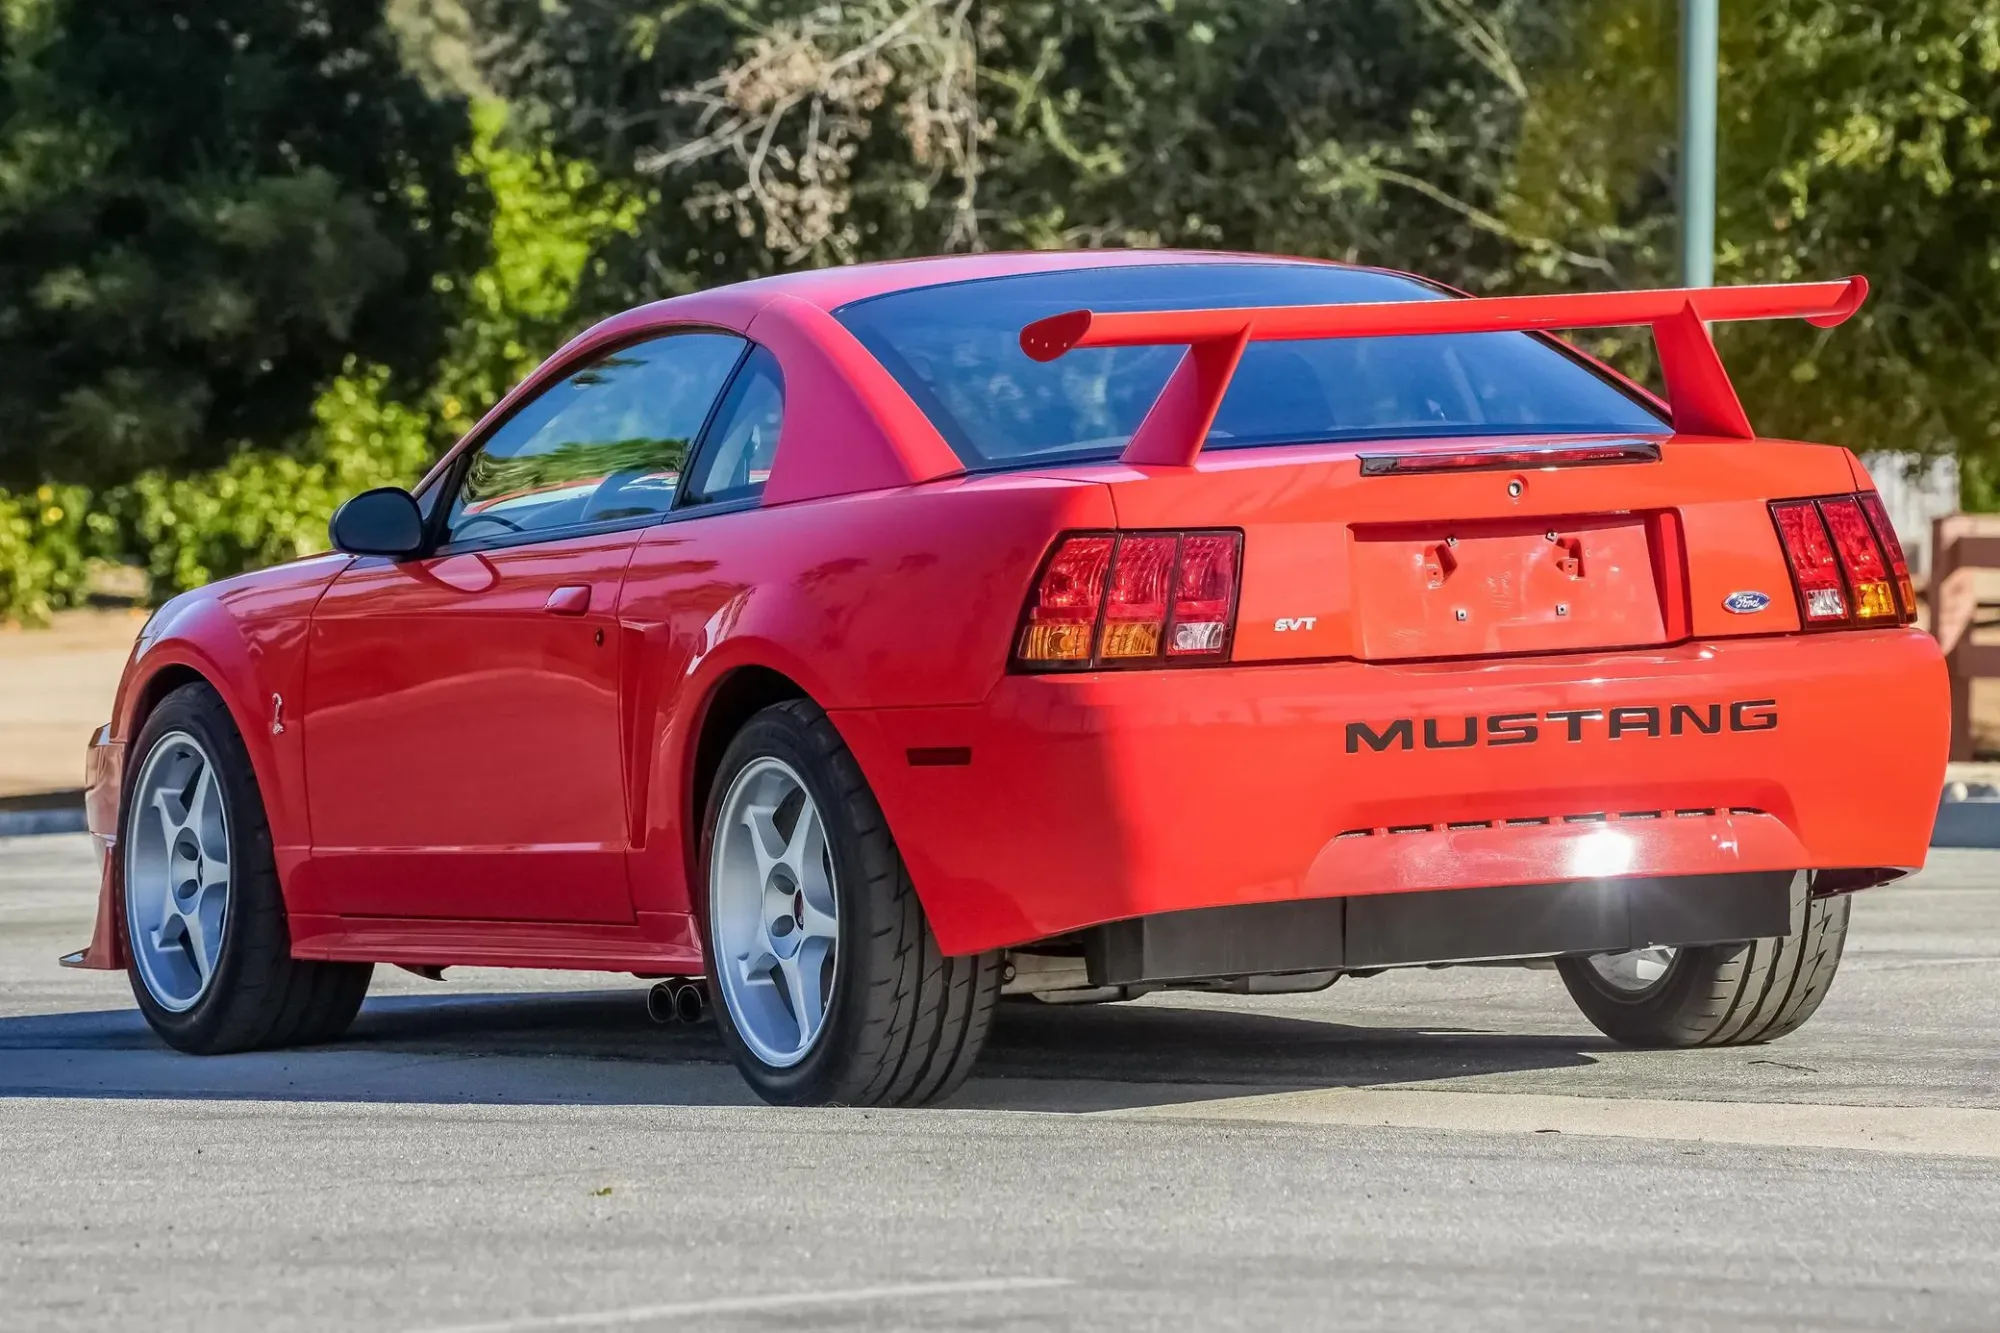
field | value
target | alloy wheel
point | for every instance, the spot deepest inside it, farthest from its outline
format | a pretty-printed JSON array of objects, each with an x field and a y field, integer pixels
[
  {"x": 776, "y": 914},
  {"x": 1633, "y": 972},
  {"x": 177, "y": 877}
]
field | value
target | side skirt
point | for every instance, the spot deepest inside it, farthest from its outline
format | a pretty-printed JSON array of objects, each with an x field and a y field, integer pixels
[{"x": 663, "y": 943}]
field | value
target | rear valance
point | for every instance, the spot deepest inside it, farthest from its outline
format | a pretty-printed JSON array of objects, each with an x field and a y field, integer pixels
[{"x": 1698, "y": 389}]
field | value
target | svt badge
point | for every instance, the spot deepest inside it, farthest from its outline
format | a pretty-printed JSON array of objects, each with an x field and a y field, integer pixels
[{"x": 1746, "y": 603}]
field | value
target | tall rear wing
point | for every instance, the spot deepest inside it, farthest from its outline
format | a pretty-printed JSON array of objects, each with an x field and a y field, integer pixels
[{"x": 1699, "y": 393}]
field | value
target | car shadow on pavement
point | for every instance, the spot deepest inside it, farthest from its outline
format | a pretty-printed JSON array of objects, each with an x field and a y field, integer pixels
[{"x": 599, "y": 1048}]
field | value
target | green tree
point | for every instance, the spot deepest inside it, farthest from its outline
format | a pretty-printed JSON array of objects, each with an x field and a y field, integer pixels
[
  {"x": 1854, "y": 139},
  {"x": 205, "y": 209},
  {"x": 779, "y": 133},
  {"x": 550, "y": 217}
]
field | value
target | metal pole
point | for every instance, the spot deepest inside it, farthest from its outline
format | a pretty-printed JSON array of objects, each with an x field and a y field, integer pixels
[{"x": 1700, "y": 22}]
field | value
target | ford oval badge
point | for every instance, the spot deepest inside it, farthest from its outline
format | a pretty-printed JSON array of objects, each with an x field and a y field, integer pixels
[{"x": 1746, "y": 603}]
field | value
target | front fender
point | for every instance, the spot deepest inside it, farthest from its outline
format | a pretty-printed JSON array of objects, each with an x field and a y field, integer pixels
[{"x": 246, "y": 637}]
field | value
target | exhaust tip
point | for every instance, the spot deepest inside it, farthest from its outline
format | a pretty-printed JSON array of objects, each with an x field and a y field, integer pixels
[
  {"x": 689, "y": 1001},
  {"x": 660, "y": 1003}
]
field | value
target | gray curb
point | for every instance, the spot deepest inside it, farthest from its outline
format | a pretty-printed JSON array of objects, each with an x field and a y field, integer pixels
[
  {"x": 56, "y": 812},
  {"x": 27, "y": 823},
  {"x": 1968, "y": 816}
]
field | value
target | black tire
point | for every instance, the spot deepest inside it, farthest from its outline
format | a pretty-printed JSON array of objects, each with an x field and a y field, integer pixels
[
  {"x": 904, "y": 1022},
  {"x": 259, "y": 995},
  {"x": 1722, "y": 994}
]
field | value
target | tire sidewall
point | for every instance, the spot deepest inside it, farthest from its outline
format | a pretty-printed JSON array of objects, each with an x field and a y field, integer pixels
[
  {"x": 198, "y": 711},
  {"x": 1654, "y": 1017},
  {"x": 777, "y": 733}
]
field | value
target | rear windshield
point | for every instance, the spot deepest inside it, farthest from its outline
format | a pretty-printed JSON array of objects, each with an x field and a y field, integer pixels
[{"x": 956, "y": 349}]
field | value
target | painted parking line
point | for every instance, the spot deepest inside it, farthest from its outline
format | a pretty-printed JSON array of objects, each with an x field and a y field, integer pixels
[
  {"x": 904, "y": 1291},
  {"x": 1943, "y": 1130}
]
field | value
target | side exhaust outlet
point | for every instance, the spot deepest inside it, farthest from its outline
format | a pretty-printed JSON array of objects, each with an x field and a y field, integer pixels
[
  {"x": 676, "y": 1000},
  {"x": 660, "y": 1003}
]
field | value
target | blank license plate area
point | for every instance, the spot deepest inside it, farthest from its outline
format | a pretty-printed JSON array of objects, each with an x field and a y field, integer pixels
[{"x": 1505, "y": 586}]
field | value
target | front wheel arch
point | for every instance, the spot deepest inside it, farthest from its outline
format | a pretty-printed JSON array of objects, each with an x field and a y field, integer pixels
[{"x": 157, "y": 687}]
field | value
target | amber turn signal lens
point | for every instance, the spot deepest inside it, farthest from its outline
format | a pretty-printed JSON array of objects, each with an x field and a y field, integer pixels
[{"x": 1055, "y": 643}]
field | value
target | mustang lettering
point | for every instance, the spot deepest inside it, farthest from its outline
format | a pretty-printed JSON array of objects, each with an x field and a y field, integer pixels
[{"x": 1620, "y": 721}]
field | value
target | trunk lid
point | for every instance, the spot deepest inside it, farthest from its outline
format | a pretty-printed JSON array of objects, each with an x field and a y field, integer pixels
[{"x": 1344, "y": 560}]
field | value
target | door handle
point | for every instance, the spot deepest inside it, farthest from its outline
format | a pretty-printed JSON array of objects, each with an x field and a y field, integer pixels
[{"x": 573, "y": 600}]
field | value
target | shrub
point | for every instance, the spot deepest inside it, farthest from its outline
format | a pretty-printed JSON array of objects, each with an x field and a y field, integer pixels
[
  {"x": 265, "y": 506},
  {"x": 261, "y": 507},
  {"x": 47, "y": 540}
]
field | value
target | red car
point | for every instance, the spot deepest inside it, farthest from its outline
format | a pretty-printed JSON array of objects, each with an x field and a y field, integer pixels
[{"x": 877, "y": 642}]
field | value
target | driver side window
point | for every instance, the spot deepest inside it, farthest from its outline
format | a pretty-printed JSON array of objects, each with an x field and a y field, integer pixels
[{"x": 605, "y": 445}]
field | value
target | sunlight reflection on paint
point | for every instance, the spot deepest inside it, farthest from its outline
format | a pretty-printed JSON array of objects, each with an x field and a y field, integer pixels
[{"x": 1602, "y": 854}]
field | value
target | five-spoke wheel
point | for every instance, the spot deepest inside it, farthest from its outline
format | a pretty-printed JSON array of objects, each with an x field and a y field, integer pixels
[
  {"x": 830, "y": 986},
  {"x": 177, "y": 871},
  {"x": 777, "y": 917},
  {"x": 205, "y": 926}
]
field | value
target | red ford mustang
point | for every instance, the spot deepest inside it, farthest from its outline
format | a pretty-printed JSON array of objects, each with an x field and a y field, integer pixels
[{"x": 880, "y": 641}]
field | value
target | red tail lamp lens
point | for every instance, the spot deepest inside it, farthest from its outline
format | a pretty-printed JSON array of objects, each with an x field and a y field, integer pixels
[
  {"x": 1899, "y": 564},
  {"x": 1861, "y": 560},
  {"x": 1135, "y": 613},
  {"x": 1205, "y": 594},
  {"x": 1062, "y": 618},
  {"x": 1809, "y": 551},
  {"x": 1133, "y": 599}
]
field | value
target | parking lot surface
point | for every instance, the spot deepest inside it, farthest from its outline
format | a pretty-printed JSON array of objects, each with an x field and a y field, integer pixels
[{"x": 519, "y": 1151}]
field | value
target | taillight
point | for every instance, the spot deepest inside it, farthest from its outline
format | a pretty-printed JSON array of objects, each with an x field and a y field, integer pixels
[
  {"x": 1132, "y": 599},
  {"x": 1861, "y": 560},
  {"x": 1062, "y": 619},
  {"x": 1204, "y": 594},
  {"x": 1846, "y": 563},
  {"x": 1135, "y": 610},
  {"x": 1899, "y": 564}
]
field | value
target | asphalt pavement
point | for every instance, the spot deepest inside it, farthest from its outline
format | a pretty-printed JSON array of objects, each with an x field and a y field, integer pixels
[{"x": 522, "y": 1151}]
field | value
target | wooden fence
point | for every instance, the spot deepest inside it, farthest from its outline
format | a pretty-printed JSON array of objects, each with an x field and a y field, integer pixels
[{"x": 1962, "y": 545}]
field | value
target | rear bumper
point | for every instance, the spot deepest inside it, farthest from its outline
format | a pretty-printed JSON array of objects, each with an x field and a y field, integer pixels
[{"x": 1093, "y": 798}]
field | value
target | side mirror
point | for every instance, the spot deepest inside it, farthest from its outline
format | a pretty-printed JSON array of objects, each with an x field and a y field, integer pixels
[{"x": 384, "y": 521}]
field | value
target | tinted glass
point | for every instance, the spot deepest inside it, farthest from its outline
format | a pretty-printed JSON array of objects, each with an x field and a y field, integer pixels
[
  {"x": 956, "y": 350},
  {"x": 604, "y": 446},
  {"x": 736, "y": 461}
]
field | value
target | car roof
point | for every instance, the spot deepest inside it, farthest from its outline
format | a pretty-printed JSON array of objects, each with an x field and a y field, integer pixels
[{"x": 831, "y": 288}]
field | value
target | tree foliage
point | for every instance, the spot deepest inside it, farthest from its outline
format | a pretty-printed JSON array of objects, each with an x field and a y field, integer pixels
[
  {"x": 204, "y": 211},
  {"x": 778, "y": 133},
  {"x": 265, "y": 505},
  {"x": 1854, "y": 139},
  {"x": 239, "y": 269}
]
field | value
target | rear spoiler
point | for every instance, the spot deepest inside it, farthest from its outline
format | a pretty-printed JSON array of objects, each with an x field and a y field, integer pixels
[{"x": 1702, "y": 400}]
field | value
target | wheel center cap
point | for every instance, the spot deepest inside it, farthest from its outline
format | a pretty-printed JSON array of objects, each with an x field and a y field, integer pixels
[{"x": 799, "y": 910}]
